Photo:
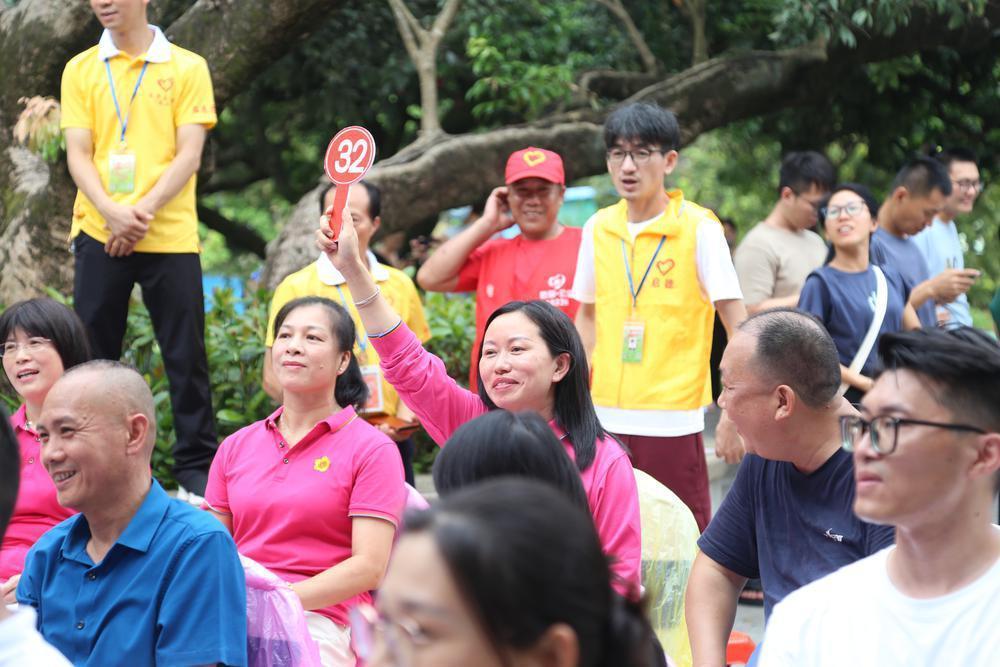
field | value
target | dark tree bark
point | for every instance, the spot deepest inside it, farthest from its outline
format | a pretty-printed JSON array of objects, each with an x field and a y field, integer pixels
[
  {"x": 454, "y": 170},
  {"x": 238, "y": 38}
]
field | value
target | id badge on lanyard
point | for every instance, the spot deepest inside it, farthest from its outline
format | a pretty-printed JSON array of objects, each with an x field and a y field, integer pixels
[
  {"x": 376, "y": 400},
  {"x": 634, "y": 330},
  {"x": 122, "y": 161}
]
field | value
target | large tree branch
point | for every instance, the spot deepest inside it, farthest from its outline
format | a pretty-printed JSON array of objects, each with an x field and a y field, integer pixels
[
  {"x": 238, "y": 236},
  {"x": 424, "y": 179}
]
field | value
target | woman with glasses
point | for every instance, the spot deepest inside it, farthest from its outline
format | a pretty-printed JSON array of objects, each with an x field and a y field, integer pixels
[
  {"x": 41, "y": 339},
  {"x": 314, "y": 493},
  {"x": 484, "y": 579},
  {"x": 531, "y": 358},
  {"x": 849, "y": 292}
]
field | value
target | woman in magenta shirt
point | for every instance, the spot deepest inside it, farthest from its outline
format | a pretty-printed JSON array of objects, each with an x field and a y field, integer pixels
[
  {"x": 531, "y": 359},
  {"x": 41, "y": 338},
  {"x": 313, "y": 492}
]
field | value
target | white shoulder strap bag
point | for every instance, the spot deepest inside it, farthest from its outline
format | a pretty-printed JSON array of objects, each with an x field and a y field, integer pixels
[{"x": 881, "y": 303}]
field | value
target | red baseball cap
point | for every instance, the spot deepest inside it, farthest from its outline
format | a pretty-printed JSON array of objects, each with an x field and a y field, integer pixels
[{"x": 534, "y": 162}]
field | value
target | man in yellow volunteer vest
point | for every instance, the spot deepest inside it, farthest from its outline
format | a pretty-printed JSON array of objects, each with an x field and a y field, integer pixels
[
  {"x": 136, "y": 109},
  {"x": 364, "y": 201},
  {"x": 651, "y": 273}
]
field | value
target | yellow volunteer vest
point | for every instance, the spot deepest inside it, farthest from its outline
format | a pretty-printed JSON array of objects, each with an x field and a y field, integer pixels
[{"x": 677, "y": 314}]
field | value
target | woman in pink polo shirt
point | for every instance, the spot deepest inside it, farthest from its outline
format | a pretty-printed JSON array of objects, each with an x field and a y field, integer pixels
[
  {"x": 41, "y": 339},
  {"x": 313, "y": 492},
  {"x": 531, "y": 358}
]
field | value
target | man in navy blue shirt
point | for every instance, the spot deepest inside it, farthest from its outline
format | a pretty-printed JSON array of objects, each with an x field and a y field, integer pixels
[
  {"x": 137, "y": 577},
  {"x": 788, "y": 517}
]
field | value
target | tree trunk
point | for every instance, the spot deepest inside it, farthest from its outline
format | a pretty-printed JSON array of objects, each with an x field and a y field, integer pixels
[{"x": 37, "y": 37}]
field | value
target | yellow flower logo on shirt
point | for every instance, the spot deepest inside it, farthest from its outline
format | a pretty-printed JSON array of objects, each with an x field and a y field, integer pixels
[{"x": 322, "y": 464}]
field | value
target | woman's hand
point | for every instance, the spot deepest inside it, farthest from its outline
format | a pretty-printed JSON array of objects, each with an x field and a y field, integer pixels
[
  {"x": 7, "y": 590},
  {"x": 343, "y": 252}
]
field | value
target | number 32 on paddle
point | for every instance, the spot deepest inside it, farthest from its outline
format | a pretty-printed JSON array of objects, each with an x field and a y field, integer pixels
[{"x": 348, "y": 158}]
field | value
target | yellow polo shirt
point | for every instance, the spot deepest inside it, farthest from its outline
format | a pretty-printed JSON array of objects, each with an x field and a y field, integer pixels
[
  {"x": 321, "y": 279},
  {"x": 175, "y": 90}
]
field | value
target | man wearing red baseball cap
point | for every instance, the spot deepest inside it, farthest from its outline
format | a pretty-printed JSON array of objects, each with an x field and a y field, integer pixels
[{"x": 539, "y": 263}]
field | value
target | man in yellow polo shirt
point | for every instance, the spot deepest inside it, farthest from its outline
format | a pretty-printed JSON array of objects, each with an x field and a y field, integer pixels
[
  {"x": 651, "y": 272},
  {"x": 135, "y": 110},
  {"x": 320, "y": 278}
]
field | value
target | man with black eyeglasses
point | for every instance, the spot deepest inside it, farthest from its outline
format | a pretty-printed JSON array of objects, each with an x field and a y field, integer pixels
[
  {"x": 939, "y": 242},
  {"x": 775, "y": 257},
  {"x": 927, "y": 461},
  {"x": 651, "y": 273}
]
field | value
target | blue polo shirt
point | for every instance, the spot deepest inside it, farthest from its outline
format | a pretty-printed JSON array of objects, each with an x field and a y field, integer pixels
[{"x": 170, "y": 591}]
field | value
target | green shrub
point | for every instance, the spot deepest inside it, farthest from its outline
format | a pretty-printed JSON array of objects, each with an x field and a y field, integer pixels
[{"x": 234, "y": 344}]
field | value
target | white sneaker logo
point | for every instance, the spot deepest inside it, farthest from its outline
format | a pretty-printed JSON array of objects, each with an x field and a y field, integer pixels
[{"x": 833, "y": 536}]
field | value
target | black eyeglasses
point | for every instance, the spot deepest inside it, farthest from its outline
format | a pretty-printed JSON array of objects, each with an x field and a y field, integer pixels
[
  {"x": 885, "y": 431},
  {"x": 639, "y": 156}
]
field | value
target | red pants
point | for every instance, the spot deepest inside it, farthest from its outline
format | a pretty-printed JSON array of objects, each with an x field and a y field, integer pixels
[{"x": 677, "y": 463}]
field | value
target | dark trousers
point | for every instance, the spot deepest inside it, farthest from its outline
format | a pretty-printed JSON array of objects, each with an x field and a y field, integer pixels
[
  {"x": 677, "y": 463},
  {"x": 172, "y": 292}
]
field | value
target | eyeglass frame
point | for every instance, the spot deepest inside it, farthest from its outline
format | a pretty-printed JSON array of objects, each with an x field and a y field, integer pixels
[
  {"x": 33, "y": 344},
  {"x": 636, "y": 160},
  {"x": 848, "y": 443},
  {"x": 825, "y": 211},
  {"x": 965, "y": 184},
  {"x": 378, "y": 625}
]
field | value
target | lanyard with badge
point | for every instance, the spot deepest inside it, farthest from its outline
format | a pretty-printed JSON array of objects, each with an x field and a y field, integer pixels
[
  {"x": 121, "y": 161},
  {"x": 634, "y": 329},
  {"x": 370, "y": 373}
]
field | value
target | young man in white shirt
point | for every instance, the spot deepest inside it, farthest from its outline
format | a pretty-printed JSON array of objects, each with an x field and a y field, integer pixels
[{"x": 927, "y": 460}]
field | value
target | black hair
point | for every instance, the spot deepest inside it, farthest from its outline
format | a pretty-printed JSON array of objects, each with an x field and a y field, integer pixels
[
  {"x": 573, "y": 408},
  {"x": 502, "y": 443},
  {"x": 922, "y": 175},
  {"x": 860, "y": 190},
  {"x": 350, "y": 388},
  {"x": 801, "y": 170},
  {"x": 47, "y": 318},
  {"x": 643, "y": 122},
  {"x": 10, "y": 471},
  {"x": 956, "y": 154},
  {"x": 526, "y": 558},
  {"x": 374, "y": 198},
  {"x": 961, "y": 367},
  {"x": 795, "y": 349}
]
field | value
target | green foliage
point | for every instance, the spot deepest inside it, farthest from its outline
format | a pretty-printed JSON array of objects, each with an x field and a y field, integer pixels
[
  {"x": 452, "y": 320},
  {"x": 234, "y": 345},
  {"x": 840, "y": 21}
]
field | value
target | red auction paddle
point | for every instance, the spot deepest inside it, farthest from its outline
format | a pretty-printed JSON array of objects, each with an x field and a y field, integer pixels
[{"x": 348, "y": 158}]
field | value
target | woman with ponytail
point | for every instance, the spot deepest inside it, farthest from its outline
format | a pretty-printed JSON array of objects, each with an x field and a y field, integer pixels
[
  {"x": 314, "y": 493},
  {"x": 507, "y": 572}
]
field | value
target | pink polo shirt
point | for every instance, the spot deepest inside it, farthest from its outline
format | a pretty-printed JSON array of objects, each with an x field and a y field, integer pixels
[
  {"x": 292, "y": 506},
  {"x": 36, "y": 509},
  {"x": 442, "y": 406}
]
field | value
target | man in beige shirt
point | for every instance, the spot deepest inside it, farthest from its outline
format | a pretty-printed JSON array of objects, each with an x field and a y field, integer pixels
[{"x": 775, "y": 257}]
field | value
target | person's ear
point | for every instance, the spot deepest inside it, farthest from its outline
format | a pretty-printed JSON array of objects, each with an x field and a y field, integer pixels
[
  {"x": 987, "y": 461},
  {"x": 900, "y": 194},
  {"x": 787, "y": 194},
  {"x": 138, "y": 430},
  {"x": 670, "y": 161},
  {"x": 563, "y": 363},
  {"x": 557, "y": 647},
  {"x": 376, "y": 222},
  {"x": 787, "y": 402},
  {"x": 345, "y": 362}
]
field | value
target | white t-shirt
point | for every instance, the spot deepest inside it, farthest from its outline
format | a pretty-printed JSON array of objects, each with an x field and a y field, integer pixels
[
  {"x": 856, "y": 617},
  {"x": 21, "y": 644},
  {"x": 718, "y": 283}
]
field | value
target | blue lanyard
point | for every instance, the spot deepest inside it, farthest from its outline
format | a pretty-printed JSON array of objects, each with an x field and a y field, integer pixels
[
  {"x": 628, "y": 270},
  {"x": 114, "y": 96},
  {"x": 362, "y": 338}
]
